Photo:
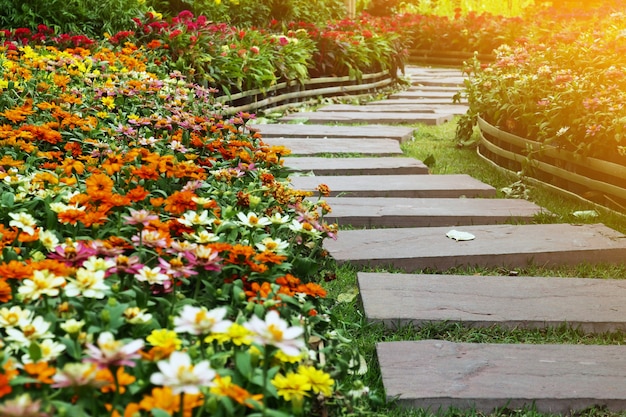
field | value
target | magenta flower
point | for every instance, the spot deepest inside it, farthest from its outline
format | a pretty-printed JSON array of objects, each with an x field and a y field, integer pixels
[{"x": 111, "y": 352}]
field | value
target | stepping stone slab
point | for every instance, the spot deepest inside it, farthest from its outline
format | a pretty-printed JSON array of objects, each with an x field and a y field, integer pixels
[
  {"x": 399, "y": 133},
  {"x": 428, "y": 212},
  {"x": 320, "y": 146},
  {"x": 421, "y": 92},
  {"x": 357, "y": 166},
  {"x": 389, "y": 106},
  {"x": 410, "y": 186},
  {"x": 592, "y": 305},
  {"x": 413, "y": 249},
  {"x": 436, "y": 374},
  {"x": 369, "y": 117},
  {"x": 422, "y": 101},
  {"x": 452, "y": 81}
]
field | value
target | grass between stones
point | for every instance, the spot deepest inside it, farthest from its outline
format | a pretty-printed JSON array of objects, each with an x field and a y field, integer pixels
[{"x": 436, "y": 146}]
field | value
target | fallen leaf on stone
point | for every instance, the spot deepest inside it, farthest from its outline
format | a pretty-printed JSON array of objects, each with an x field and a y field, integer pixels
[
  {"x": 585, "y": 214},
  {"x": 457, "y": 235}
]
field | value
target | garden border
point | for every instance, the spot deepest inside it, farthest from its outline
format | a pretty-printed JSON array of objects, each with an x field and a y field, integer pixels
[
  {"x": 289, "y": 93},
  {"x": 584, "y": 176},
  {"x": 445, "y": 58}
]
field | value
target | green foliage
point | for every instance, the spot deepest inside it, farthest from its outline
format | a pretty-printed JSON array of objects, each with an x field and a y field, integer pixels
[
  {"x": 88, "y": 17},
  {"x": 245, "y": 13}
]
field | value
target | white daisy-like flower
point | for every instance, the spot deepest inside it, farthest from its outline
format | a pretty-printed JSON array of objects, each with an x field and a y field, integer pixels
[
  {"x": 15, "y": 316},
  {"x": 89, "y": 284},
  {"x": 93, "y": 263},
  {"x": 182, "y": 376},
  {"x": 199, "y": 320},
  {"x": 152, "y": 275},
  {"x": 48, "y": 239},
  {"x": 42, "y": 283},
  {"x": 272, "y": 245},
  {"x": 23, "y": 221},
  {"x": 276, "y": 332},
  {"x": 48, "y": 349},
  {"x": 252, "y": 220},
  {"x": 192, "y": 218},
  {"x": 278, "y": 218}
]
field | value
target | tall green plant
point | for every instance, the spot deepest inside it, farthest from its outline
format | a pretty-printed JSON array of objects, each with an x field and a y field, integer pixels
[
  {"x": 245, "y": 13},
  {"x": 88, "y": 17}
]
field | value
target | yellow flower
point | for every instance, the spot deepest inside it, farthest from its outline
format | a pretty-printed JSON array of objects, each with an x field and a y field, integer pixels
[
  {"x": 109, "y": 102},
  {"x": 164, "y": 338},
  {"x": 292, "y": 387},
  {"x": 320, "y": 381}
]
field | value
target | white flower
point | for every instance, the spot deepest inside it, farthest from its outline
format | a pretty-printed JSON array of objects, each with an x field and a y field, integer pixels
[
  {"x": 199, "y": 320},
  {"x": 272, "y": 245},
  {"x": 276, "y": 332},
  {"x": 152, "y": 275},
  {"x": 202, "y": 236},
  {"x": 278, "y": 218},
  {"x": 48, "y": 239},
  {"x": 89, "y": 284},
  {"x": 180, "y": 375},
  {"x": 42, "y": 283},
  {"x": 98, "y": 264},
  {"x": 252, "y": 220},
  {"x": 14, "y": 316},
  {"x": 192, "y": 218},
  {"x": 49, "y": 350},
  {"x": 24, "y": 222},
  {"x": 72, "y": 326},
  {"x": 28, "y": 332}
]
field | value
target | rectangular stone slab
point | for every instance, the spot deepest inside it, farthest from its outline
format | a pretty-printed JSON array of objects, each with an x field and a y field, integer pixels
[
  {"x": 433, "y": 119},
  {"x": 414, "y": 186},
  {"x": 416, "y": 92},
  {"x": 419, "y": 102},
  {"x": 558, "y": 379},
  {"x": 413, "y": 249},
  {"x": 389, "y": 106},
  {"x": 428, "y": 212},
  {"x": 399, "y": 133},
  {"x": 591, "y": 305},
  {"x": 357, "y": 166},
  {"x": 319, "y": 146}
]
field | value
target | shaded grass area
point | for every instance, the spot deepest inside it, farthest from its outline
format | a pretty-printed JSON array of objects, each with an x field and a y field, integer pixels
[{"x": 436, "y": 146}]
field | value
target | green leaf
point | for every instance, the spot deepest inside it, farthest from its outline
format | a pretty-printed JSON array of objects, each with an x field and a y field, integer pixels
[
  {"x": 34, "y": 351},
  {"x": 157, "y": 412}
]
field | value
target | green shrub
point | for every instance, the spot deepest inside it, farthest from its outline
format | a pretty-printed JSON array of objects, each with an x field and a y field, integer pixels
[
  {"x": 255, "y": 13},
  {"x": 88, "y": 17}
]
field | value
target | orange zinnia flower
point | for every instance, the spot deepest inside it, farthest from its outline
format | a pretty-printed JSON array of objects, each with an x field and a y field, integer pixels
[
  {"x": 70, "y": 166},
  {"x": 15, "y": 270},
  {"x": 123, "y": 379},
  {"x": 5, "y": 291},
  {"x": 164, "y": 399},
  {"x": 180, "y": 202},
  {"x": 240, "y": 254},
  {"x": 99, "y": 184},
  {"x": 41, "y": 371},
  {"x": 137, "y": 194},
  {"x": 71, "y": 216}
]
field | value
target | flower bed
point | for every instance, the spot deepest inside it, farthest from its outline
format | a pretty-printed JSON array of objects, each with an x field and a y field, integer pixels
[
  {"x": 565, "y": 93},
  {"x": 154, "y": 258}
]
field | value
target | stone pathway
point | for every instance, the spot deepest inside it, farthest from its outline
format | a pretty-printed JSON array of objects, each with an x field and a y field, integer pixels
[{"x": 401, "y": 217}]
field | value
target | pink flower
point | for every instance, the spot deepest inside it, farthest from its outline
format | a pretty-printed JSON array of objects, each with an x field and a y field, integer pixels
[{"x": 111, "y": 352}]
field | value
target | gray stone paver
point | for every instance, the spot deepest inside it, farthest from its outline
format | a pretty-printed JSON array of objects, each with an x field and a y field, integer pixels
[
  {"x": 413, "y": 249},
  {"x": 399, "y": 133},
  {"x": 390, "y": 106},
  {"x": 428, "y": 212},
  {"x": 357, "y": 166},
  {"x": 429, "y": 118},
  {"x": 318, "y": 146},
  {"x": 591, "y": 305},
  {"x": 439, "y": 374},
  {"x": 555, "y": 378},
  {"x": 417, "y": 186}
]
